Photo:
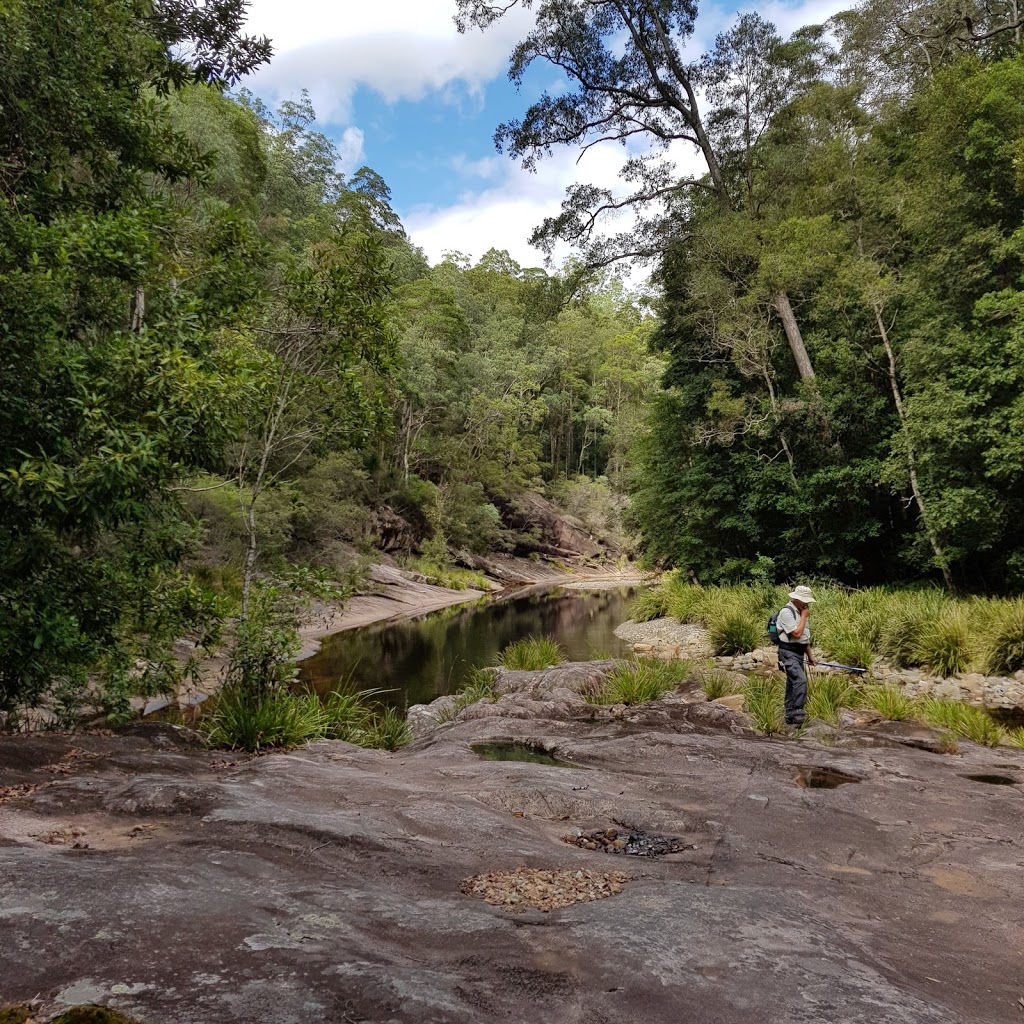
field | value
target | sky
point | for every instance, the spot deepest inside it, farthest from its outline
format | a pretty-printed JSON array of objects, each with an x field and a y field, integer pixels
[{"x": 398, "y": 89}]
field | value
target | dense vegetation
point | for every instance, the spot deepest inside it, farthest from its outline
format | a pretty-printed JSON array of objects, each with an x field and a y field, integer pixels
[
  {"x": 227, "y": 374},
  {"x": 842, "y": 289}
]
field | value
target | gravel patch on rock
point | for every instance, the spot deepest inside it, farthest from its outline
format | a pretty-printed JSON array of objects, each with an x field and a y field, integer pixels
[
  {"x": 660, "y": 631},
  {"x": 544, "y": 890}
]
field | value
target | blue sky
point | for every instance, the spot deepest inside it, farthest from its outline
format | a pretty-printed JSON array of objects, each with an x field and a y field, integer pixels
[{"x": 400, "y": 90}]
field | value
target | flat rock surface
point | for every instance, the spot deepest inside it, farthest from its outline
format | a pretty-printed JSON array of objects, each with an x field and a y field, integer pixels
[{"x": 326, "y": 884}]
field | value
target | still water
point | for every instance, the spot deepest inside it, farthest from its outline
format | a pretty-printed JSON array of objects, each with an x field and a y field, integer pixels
[{"x": 421, "y": 660}]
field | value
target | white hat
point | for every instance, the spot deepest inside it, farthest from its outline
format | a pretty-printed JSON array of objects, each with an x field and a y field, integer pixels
[{"x": 803, "y": 594}]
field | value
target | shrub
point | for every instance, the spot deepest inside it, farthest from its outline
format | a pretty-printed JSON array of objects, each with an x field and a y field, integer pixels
[
  {"x": 247, "y": 720},
  {"x": 716, "y": 683},
  {"x": 735, "y": 632},
  {"x": 891, "y": 703},
  {"x": 764, "y": 698},
  {"x": 532, "y": 654},
  {"x": 908, "y": 615},
  {"x": 387, "y": 730},
  {"x": 639, "y": 681},
  {"x": 684, "y": 601},
  {"x": 828, "y": 694},
  {"x": 1003, "y": 640},
  {"x": 348, "y": 713},
  {"x": 942, "y": 644},
  {"x": 651, "y": 603},
  {"x": 980, "y": 727}
]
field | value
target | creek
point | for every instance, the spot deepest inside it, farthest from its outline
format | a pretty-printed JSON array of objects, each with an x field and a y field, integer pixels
[{"x": 419, "y": 660}]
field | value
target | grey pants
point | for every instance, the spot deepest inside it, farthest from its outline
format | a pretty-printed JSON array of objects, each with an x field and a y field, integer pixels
[{"x": 791, "y": 661}]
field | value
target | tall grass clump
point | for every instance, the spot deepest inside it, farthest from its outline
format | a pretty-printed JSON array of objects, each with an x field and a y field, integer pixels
[
  {"x": 980, "y": 727},
  {"x": 944, "y": 714},
  {"x": 685, "y": 600},
  {"x": 532, "y": 654},
  {"x": 246, "y": 720},
  {"x": 637, "y": 682},
  {"x": 715, "y": 683},
  {"x": 908, "y": 616},
  {"x": 942, "y": 644},
  {"x": 479, "y": 685},
  {"x": 651, "y": 603},
  {"x": 1016, "y": 737},
  {"x": 828, "y": 694},
  {"x": 764, "y": 698},
  {"x": 348, "y": 712},
  {"x": 891, "y": 703},
  {"x": 387, "y": 730},
  {"x": 1003, "y": 639}
]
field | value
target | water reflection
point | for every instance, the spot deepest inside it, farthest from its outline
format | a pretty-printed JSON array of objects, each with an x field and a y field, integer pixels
[{"x": 422, "y": 660}]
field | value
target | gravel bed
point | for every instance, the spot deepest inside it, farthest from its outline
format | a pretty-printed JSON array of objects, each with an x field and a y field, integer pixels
[{"x": 659, "y": 631}]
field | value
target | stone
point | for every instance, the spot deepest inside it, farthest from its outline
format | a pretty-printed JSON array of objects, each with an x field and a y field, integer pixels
[{"x": 734, "y": 701}]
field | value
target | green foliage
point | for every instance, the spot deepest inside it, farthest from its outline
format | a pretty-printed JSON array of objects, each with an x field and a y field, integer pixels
[
  {"x": 532, "y": 654},
  {"x": 764, "y": 699},
  {"x": 943, "y": 644},
  {"x": 973, "y": 723},
  {"x": 253, "y": 720},
  {"x": 639, "y": 681},
  {"x": 827, "y": 694},
  {"x": 1015, "y": 737},
  {"x": 890, "y": 702},
  {"x": 388, "y": 730},
  {"x": 716, "y": 683},
  {"x": 650, "y": 603},
  {"x": 348, "y": 713},
  {"x": 735, "y": 632},
  {"x": 1004, "y": 638}
]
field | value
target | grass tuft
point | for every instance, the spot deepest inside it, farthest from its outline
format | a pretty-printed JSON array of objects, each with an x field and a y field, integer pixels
[
  {"x": 387, "y": 730},
  {"x": 649, "y": 604},
  {"x": 765, "y": 701},
  {"x": 735, "y": 632},
  {"x": 828, "y": 694},
  {"x": 716, "y": 683},
  {"x": 891, "y": 702},
  {"x": 1004, "y": 638},
  {"x": 532, "y": 654},
  {"x": 636, "y": 682},
  {"x": 242, "y": 720},
  {"x": 1016, "y": 737},
  {"x": 942, "y": 644}
]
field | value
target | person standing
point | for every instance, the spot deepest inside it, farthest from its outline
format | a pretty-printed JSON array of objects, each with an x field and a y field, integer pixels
[{"x": 794, "y": 647}]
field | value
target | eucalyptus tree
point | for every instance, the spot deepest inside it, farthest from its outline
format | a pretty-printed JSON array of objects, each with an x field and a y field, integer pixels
[{"x": 630, "y": 80}]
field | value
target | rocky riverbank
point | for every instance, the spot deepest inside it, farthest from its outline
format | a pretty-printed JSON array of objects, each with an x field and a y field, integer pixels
[
  {"x": 668, "y": 638},
  {"x": 866, "y": 883}
]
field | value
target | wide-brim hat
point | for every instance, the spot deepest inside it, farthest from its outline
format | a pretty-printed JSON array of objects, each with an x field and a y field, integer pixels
[{"x": 802, "y": 594}]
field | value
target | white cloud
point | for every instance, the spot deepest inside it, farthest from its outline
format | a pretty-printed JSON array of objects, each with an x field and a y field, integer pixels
[
  {"x": 350, "y": 148},
  {"x": 401, "y": 49}
]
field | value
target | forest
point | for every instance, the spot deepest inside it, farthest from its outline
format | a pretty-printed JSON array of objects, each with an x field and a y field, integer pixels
[{"x": 227, "y": 373}]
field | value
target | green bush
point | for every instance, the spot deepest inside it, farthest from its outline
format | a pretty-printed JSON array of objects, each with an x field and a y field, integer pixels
[
  {"x": 828, "y": 694},
  {"x": 387, "y": 730},
  {"x": 683, "y": 600},
  {"x": 637, "y": 682},
  {"x": 348, "y": 713},
  {"x": 908, "y": 615},
  {"x": 242, "y": 719},
  {"x": 891, "y": 703},
  {"x": 980, "y": 727},
  {"x": 1003, "y": 639},
  {"x": 532, "y": 654},
  {"x": 735, "y": 632},
  {"x": 943, "y": 714},
  {"x": 764, "y": 698},
  {"x": 716, "y": 683},
  {"x": 650, "y": 603},
  {"x": 1016, "y": 737},
  {"x": 942, "y": 644}
]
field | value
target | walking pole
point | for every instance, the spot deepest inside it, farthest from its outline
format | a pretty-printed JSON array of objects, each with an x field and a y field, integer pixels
[{"x": 845, "y": 668}]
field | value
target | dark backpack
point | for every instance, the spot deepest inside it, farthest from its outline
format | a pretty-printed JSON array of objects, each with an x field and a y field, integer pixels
[{"x": 773, "y": 628}]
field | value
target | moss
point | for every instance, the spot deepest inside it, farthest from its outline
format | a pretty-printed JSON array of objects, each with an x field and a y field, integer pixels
[
  {"x": 92, "y": 1015},
  {"x": 13, "y": 1014}
]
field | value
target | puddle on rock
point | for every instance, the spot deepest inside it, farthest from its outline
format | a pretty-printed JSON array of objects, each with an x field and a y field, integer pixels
[
  {"x": 512, "y": 751},
  {"x": 810, "y": 776},
  {"x": 993, "y": 780},
  {"x": 627, "y": 841}
]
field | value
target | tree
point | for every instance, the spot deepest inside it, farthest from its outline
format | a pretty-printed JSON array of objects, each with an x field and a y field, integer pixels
[{"x": 629, "y": 78}]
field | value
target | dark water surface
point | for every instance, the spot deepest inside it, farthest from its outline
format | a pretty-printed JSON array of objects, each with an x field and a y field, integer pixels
[{"x": 423, "y": 659}]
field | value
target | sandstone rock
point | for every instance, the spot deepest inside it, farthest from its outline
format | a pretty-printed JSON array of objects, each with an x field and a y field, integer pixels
[{"x": 734, "y": 701}]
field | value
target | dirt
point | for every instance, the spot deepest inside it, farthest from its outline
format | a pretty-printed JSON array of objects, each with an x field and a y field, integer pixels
[{"x": 329, "y": 883}]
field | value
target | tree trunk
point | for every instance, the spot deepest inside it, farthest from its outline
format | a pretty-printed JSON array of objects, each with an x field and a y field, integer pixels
[
  {"x": 915, "y": 487},
  {"x": 137, "y": 312},
  {"x": 793, "y": 336}
]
